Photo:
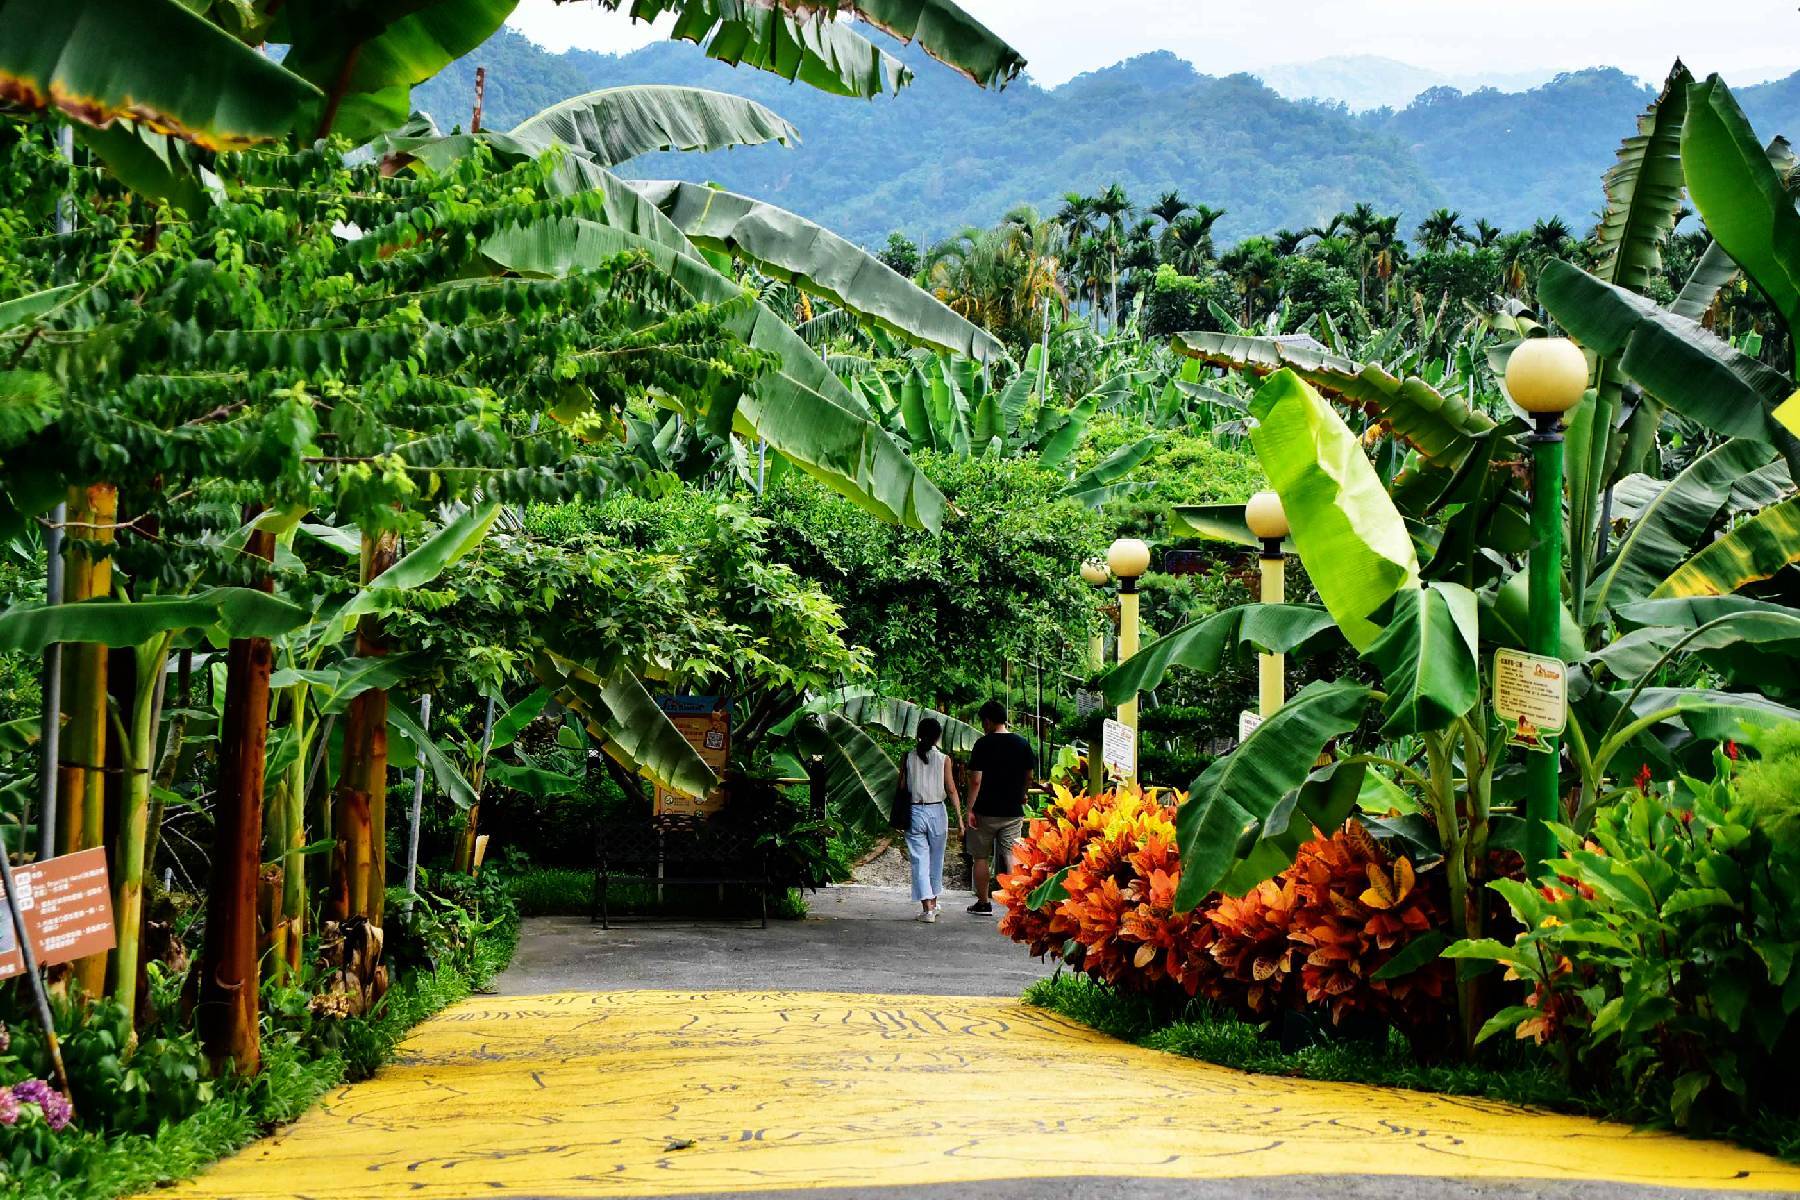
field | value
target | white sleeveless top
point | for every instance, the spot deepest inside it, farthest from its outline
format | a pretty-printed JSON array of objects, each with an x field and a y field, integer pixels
[{"x": 925, "y": 780}]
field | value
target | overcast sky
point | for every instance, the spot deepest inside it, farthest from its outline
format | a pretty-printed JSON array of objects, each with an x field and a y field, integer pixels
[{"x": 1745, "y": 40}]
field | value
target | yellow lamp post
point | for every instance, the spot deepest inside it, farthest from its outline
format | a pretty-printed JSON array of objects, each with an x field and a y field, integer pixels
[
  {"x": 1095, "y": 575},
  {"x": 1129, "y": 559},
  {"x": 1546, "y": 377},
  {"x": 1268, "y": 521}
]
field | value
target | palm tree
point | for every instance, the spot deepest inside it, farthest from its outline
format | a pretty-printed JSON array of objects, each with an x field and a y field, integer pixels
[
  {"x": 1113, "y": 207},
  {"x": 1515, "y": 261},
  {"x": 1386, "y": 252},
  {"x": 1251, "y": 264},
  {"x": 1287, "y": 241},
  {"x": 1187, "y": 244},
  {"x": 1441, "y": 230},
  {"x": 1169, "y": 206},
  {"x": 1550, "y": 236},
  {"x": 1486, "y": 233}
]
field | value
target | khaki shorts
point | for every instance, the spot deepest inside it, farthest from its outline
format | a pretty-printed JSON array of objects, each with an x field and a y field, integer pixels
[{"x": 992, "y": 832}]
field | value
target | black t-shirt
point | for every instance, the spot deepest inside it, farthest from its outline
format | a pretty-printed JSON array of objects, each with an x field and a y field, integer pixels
[{"x": 1006, "y": 762}]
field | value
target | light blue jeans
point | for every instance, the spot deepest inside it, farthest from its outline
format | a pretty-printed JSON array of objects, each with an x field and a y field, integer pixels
[{"x": 925, "y": 849}]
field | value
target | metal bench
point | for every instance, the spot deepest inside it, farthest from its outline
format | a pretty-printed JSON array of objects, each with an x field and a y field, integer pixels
[{"x": 723, "y": 849}]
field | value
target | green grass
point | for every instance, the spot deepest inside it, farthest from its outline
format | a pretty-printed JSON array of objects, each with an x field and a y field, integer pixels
[
  {"x": 1508, "y": 1074},
  {"x": 93, "y": 1166}
]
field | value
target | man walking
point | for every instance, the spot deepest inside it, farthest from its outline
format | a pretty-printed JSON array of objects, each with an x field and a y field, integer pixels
[{"x": 1000, "y": 769}]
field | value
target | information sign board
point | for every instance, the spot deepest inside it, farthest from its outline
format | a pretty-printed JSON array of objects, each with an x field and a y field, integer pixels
[
  {"x": 1247, "y": 723},
  {"x": 1118, "y": 749},
  {"x": 67, "y": 906},
  {"x": 705, "y": 721},
  {"x": 1531, "y": 697}
]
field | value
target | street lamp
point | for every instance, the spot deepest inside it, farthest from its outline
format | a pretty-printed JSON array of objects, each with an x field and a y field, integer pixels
[
  {"x": 1129, "y": 558},
  {"x": 1268, "y": 521},
  {"x": 1546, "y": 377}
]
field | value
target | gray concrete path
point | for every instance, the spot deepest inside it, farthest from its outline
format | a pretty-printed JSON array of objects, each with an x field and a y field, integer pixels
[{"x": 853, "y": 939}]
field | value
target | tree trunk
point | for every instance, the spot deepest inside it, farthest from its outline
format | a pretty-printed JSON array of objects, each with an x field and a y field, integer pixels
[
  {"x": 228, "y": 970},
  {"x": 359, "y": 812},
  {"x": 290, "y": 839},
  {"x": 81, "y": 804}
]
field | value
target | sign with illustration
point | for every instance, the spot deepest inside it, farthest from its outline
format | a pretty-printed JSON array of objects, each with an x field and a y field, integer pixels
[
  {"x": 67, "y": 906},
  {"x": 705, "y": 721},
  {"x": 1531, "y": 697},
  {"x": 1247, "y": 723},
  {"x": 1118, "y": 749}
]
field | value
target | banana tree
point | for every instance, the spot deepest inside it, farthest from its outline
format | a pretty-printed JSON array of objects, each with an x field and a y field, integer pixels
[{"x": 1424, "y": 638}]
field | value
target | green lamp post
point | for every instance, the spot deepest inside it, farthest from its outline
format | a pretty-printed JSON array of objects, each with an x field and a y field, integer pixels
[
  {"x": 1096, "y": 574},
  {"x": 1546, "y": 377}
]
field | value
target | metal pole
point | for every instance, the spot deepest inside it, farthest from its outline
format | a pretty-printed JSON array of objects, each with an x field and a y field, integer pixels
[
  {"x": 1544, "y": 627},
  {"x": 50, "y": 728},
  {"x": 29, "y": 953},
  {"x": 1271, "y": 668},
  {"x": 418, "y": 804},
  {"x": 1128, "y": 646}
]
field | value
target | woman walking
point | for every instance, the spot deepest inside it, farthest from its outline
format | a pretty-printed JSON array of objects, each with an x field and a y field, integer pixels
[{"x": 928, "y": 778}]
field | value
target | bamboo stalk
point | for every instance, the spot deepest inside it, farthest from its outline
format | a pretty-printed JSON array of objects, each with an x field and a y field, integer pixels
[
  {"x": 227, "y": 1010},
  {"x": 82, "y": 778}
]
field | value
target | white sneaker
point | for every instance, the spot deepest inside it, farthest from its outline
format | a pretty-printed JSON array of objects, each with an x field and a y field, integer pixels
[{"x": 928, "y": 917}]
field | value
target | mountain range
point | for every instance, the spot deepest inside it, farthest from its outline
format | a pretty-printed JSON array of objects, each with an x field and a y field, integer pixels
[{"x": 943, "y": 154}]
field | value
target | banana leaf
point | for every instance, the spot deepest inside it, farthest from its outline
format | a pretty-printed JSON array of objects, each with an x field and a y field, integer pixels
[
  {"x": 627, "y": 721},
  {"x": 1353, "y": 541},
  {"x": 153, "y": 62},
  {"x": 1672, "y": 524},
  {"x": 1438, "y": 426},
  {"x": 1671, "y": 357},
  {"x": 615, "y": 124},
  {"x": 514, "y": 720},
  {"x": 1751, "y": 647},
  {"x": 791, "y": 248},
  {"x": 801, "y": 409},
  {"x": 899, "y": 717},
  {"x": 1644, "y": 191},
  {"x": 535, "y": 782},
  {"x": 795, "y": 40},
  {"x": 1754, "y": 550},
  {"x": 1204, "y": 645},
  {"x": 860, "y": 779},
  {"x": 1114, "y": 466},
  {"x": 428, "y": 752},
  {"x": 1228, "y": 806},
  {"x": 1744, "y": 203},
  {"x": 1428, "y": 659},
  {"x": 432, "y": 557},
  {"x": 1716, "y": 268},
  {"x": 1505, "y": 612},
  {"x": 233, "y": 612},
  {"x": 370, "y": 62}
]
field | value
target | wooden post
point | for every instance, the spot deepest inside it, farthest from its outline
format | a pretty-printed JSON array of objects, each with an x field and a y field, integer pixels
[
  {"x": 228, "y": 969},
  {"x": 480, "y": 93}
]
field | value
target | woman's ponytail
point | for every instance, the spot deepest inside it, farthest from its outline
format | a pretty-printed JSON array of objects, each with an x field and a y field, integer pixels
[{"x": 930, "y": 730}]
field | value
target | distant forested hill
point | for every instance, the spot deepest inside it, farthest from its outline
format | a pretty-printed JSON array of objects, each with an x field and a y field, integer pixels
[{"x": 944, "y": 154}]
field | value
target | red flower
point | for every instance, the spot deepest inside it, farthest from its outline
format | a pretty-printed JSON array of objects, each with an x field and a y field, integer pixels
[
  {"x": 1643, "y": 778},
  {"x": 1731, "y": 750}
]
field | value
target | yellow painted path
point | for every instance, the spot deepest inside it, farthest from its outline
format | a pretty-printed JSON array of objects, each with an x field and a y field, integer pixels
[{"x": 585, "y": 1094}]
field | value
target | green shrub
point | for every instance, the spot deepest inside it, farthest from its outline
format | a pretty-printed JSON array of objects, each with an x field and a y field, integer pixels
[{"x": 1663, "y": 959}]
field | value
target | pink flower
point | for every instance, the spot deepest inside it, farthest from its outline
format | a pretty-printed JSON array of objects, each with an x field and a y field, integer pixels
[{"x": 9, "y": 1107}]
